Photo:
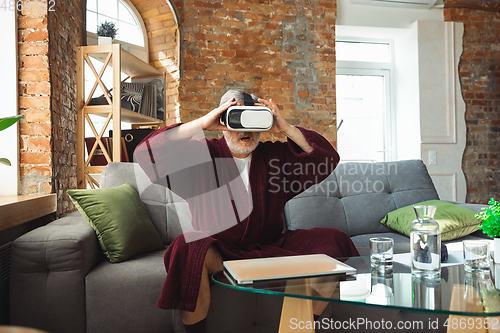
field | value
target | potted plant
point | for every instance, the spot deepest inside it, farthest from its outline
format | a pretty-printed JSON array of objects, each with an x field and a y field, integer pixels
[
  {"x": 4, "y": 123},
  {"x": 106, "y": 32},
  {"x": 490, "y": 225}
]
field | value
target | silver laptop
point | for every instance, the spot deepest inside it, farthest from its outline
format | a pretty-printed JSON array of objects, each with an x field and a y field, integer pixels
[{"x": 249, "y": 270}]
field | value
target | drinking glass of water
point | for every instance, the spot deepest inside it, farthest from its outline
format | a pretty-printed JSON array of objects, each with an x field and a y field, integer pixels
[
  {"x": 476, "y": 255},
  {"x": 381, "y": 252}
]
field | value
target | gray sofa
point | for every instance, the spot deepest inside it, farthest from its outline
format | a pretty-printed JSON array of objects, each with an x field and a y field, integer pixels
[
  {"x": 357, "y": 196},
  {"x": 62, "y": 283}
]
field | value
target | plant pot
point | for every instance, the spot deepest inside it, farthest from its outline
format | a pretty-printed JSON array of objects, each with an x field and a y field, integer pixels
[
  {"x": 496, "y": 250},
  {"x": 104, "y": 40}
]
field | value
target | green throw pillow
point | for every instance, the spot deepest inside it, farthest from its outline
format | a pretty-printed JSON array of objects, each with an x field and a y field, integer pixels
[
  {"x": 120, "y": 220},
  {"x": 454, "y": 221}
]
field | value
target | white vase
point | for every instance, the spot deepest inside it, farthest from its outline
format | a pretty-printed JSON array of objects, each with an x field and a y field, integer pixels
[
  {"x": 104, "y": 40},
  {"x": 496, "y": 250}
]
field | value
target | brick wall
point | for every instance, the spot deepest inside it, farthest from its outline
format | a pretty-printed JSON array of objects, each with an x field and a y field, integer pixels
[
  {"x": 163, "y": 42},
  {"x": 47, "y": 89},
  {"x": 280, "y": 49},
  {"x": 34, "y": 102},
  {"x": 479, "y": 72},
  {"x": 65, "y": 34},
  {"x": 277, "y": 49},
  {"x": 47, "y": 94}
]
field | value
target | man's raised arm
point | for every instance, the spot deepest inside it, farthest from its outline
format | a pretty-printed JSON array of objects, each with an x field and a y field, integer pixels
[
  {"x": 280, "y": 125},
  {"x": 209, "y": 122}
]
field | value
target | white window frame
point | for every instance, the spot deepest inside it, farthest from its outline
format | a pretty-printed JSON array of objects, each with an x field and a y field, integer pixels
[
  {"x": 385, "y": 69},
  {"x": 141, "y": 52}
]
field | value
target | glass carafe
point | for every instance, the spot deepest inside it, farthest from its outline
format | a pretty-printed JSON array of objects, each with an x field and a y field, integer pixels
[
  {"x": 425, "y": 244},
  {"x": 426, "y": 294}
]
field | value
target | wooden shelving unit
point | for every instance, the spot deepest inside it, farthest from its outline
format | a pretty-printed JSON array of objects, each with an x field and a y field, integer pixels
[{"x": 120, "y": 61}]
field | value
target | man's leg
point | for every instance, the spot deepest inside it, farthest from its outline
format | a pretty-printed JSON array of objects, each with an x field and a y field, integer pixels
[{"x": 212, "y": 264}]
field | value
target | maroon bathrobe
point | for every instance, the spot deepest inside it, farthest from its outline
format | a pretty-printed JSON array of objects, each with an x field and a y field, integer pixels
[{"x": 278, "y": 172}]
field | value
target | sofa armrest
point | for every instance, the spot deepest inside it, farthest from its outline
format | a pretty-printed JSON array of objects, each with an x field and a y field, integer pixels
[
  {"x": 48, "y": 269},
  {"x": 475, "y": 207}
]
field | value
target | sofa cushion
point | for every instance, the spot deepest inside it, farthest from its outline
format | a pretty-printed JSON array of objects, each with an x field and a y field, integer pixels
[
  {"x": 120, "y": 220},
  {"x": 169, "y": 213},
  {"x": 454, "y": 221},
  {"x": 356, "y": 196},
  {"x": 48, "y": 267},
  {"x": 362, "y": 242},
  {"x": 122, "y": 297}
]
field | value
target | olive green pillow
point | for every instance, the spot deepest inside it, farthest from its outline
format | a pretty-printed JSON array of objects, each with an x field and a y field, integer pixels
[
  {"x": 454, "y": 221},
  {"x": 120, "y": 220}
]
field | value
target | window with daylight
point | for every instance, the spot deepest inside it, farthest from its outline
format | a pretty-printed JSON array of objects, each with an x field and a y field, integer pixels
[
  {"x": 131, "y": 32},
  {"x": 121, "y": 12},
  {"x": 365, "y": 122}
]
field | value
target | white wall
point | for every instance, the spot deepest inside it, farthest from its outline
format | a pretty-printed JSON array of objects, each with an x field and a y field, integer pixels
[
  {"x": 407, "y": 97},
  {"x": 442, "y": 108},
  {"x": 383, "y": 17},
  {"x": 427, "y": 100},
  {"x": 9, "y": 144}
]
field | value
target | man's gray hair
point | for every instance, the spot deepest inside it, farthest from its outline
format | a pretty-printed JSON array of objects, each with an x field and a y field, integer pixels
[{"x": 239, "y": 96}]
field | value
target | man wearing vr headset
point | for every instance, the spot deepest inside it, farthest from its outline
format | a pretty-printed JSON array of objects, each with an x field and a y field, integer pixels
[{"x": 190, "y": 261}]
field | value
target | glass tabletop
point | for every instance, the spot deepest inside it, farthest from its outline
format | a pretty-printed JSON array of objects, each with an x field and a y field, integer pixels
[{"x": 456, "y": 292}]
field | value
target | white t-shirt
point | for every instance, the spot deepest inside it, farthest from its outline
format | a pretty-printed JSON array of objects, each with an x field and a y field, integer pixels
[{"x": 243, "y": 165}]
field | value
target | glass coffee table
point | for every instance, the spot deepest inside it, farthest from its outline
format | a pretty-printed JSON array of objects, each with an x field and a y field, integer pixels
[{"x": 470, "y": 300}]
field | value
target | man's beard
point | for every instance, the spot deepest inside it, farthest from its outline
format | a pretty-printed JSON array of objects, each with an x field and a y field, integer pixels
[{"x": 232, "y": 142}]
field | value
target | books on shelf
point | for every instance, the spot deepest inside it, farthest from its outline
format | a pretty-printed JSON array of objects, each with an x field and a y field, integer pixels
[
  {"x": 145, "y": 96},
  {"x": 153, "y": 98},
  {"x": 131, "y": 95}
]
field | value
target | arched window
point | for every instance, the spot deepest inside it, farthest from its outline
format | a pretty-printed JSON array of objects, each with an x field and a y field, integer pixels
[{"x": 131, "y": 29}]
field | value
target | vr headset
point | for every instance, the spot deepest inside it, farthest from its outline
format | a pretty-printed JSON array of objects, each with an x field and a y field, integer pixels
[{"x": 248, "y": 118}]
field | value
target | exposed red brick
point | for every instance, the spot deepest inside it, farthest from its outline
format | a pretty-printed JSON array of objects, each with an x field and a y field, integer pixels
[
  {"x": 242, "y": 45},
  {"x": 35, "y": 129},
  {"x": 36, "y": 36},
  {"x": 477, "y": 69},
  {"x": 35, "y": 62},
  {"x": 35, "y": 158},
  {"x": 35, "y": 116},
  {"x": 32, "y": 22},
  {"x": 30, "y": 75},
  {"x": 38, "y": 88},
  {"x": 39, "y": 144},
  {"x": 34, "y": 102},
  {"x": 33, "y": 48}
]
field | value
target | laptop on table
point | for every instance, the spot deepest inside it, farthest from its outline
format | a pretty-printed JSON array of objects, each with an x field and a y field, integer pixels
[{"x": 247, "y": 271}]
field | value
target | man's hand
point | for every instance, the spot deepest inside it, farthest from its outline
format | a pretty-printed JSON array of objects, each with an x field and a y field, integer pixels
[
  {"x": 280, "y": 125},
  {"x": 211, "y": 121}
]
